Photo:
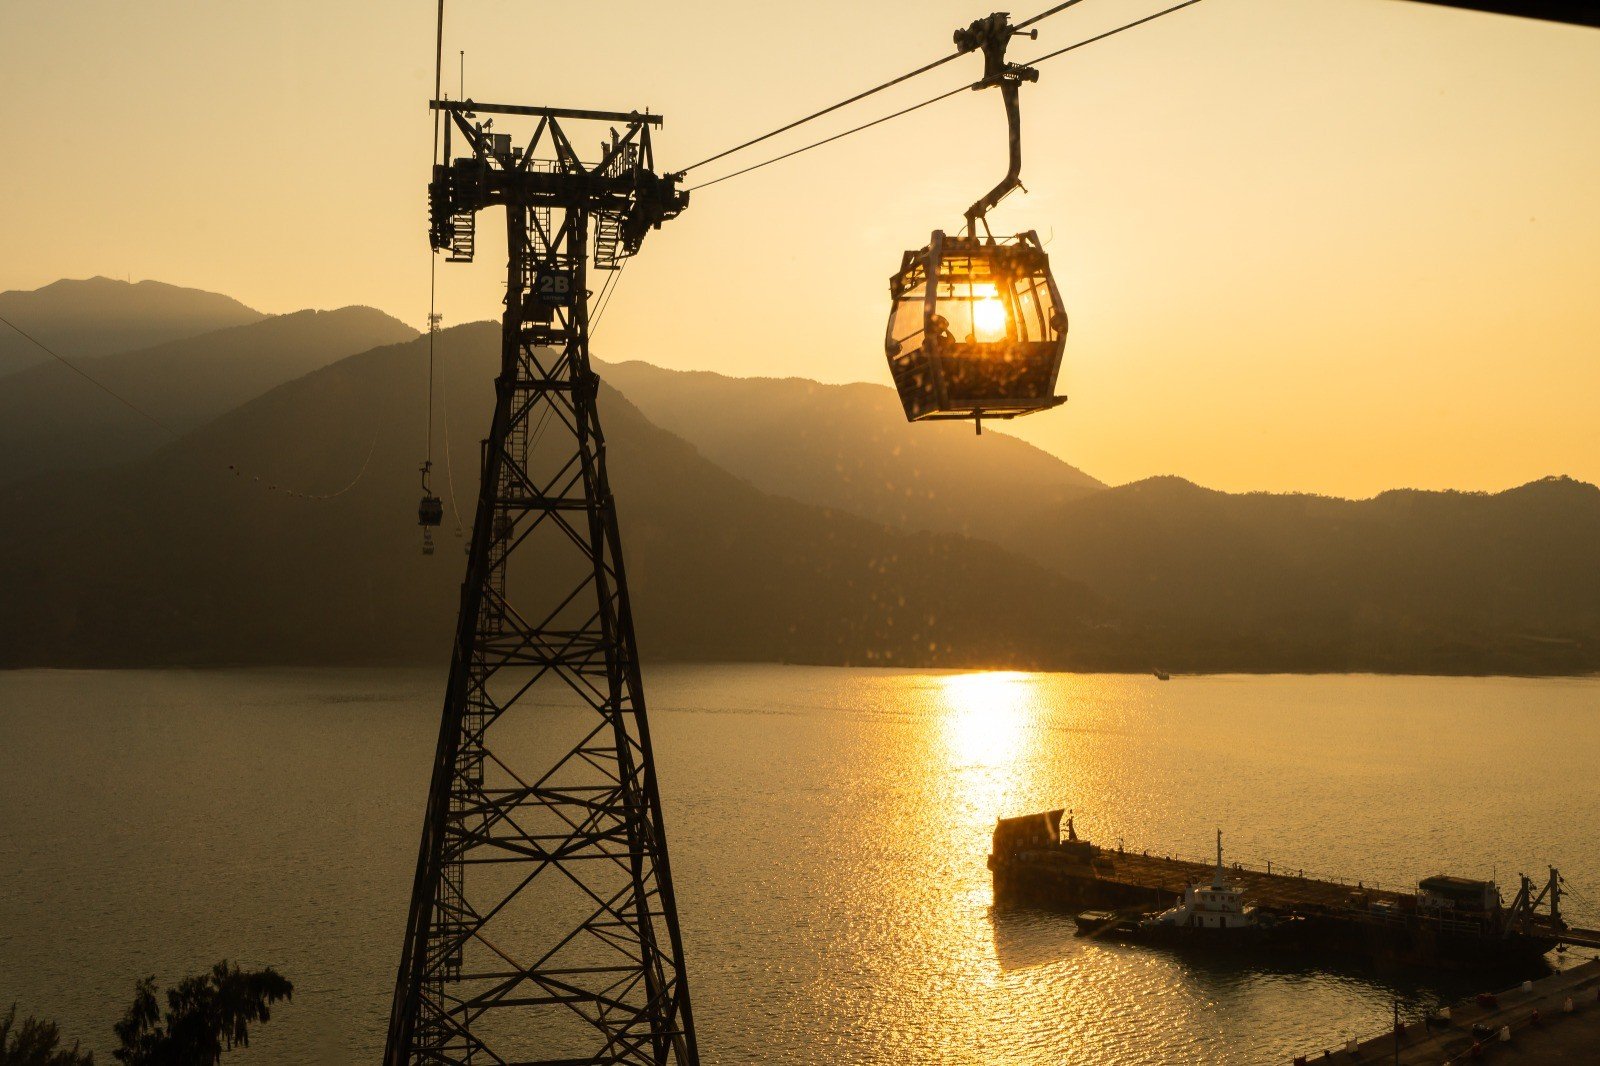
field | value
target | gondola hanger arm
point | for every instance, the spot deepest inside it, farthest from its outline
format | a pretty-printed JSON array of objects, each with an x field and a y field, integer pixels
[{"x": 991, "y": 35}]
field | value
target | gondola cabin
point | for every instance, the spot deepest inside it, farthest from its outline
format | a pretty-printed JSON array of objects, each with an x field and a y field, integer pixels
[
  {"x": 430, "y": 512},
  {"x": 976, "y": 329}
]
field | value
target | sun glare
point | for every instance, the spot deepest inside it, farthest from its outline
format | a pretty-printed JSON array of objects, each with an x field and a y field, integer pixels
[
  {"x": 987, "y": 715},
  {"x": 988, "y": 313}
]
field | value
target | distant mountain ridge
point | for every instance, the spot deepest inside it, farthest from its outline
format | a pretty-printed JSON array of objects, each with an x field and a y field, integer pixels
[
  {"x": 174, "y": 559},
  {"x": 849, "y": 447},
  {"x": 1445, "y": 582},
  {"x": 762, "y": 519},
  {"x": 100, "y": 316},
  {"x": 52, "y": 419},
  {"x": 1203, "y": 580}
]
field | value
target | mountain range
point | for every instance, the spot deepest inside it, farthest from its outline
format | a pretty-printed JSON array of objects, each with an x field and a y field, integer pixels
[
  {"x": 101, "y": 316},
  {"x": 1201, "y": 580},
  {"x": 849, "y": 447},
  {"x": 51, "y": 418},
  {"x": 1409, "y": 581},
  {"x": 199, "y": 554},
  {"x": 763, "y": 519}
]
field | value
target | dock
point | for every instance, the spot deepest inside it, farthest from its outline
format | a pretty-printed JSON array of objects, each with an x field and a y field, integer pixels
[
  {"x": 1439, "y": 922},
  {"x": 1289, "y": 889},
  {"x": 1552, "y": 1020}
]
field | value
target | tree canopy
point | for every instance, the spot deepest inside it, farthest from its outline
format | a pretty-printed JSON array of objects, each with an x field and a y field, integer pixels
[
  {"x": 205, "y": 1016},
  {"x": 36, "y": 1043}
]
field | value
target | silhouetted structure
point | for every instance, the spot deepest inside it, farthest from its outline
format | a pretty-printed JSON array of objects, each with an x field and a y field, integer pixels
[
  {"x": 542, "y": 926},
  {"x": 976, "y": 326},
  {"x": 1578, "y": 12}
]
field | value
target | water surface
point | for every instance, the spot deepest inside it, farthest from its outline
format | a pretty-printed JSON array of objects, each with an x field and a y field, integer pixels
[{"x": 828, "y": 830}]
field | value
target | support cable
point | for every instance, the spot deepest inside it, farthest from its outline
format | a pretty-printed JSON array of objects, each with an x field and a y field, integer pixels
[
  {"x": 605, "y": 297},
  {"x": 1041, "y": 16},
  {"x": 1111, "y": 33},
  {"x": 946, "y": 95},
  {"x": 76, "y": 369},
  {"x": 438, "y": 72},
  {"x": 433, "y": 255},
  {"x": 372, "y": 447},
  {"x": 827, "y": 110},
  {"x": 433, "y": 328},
  {"x": 891, "y": 83},
  {"x": 605, "y": 294},
  {"x": 449, "y": 470},
  {"x": 829, "y": 140}
]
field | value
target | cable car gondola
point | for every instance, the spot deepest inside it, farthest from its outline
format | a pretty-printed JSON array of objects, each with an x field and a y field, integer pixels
[
  {"x": 430, "y": 512},
  {"x": 976, "y": 326}
]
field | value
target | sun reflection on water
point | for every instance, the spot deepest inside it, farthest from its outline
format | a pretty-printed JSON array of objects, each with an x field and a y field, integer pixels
[
  {"x": 987, "y": 715},
  {"x": 988, "y": 722}
]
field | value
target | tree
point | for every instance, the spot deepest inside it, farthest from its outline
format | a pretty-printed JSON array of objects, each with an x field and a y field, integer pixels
[
  {"x": 205, "y": 1016},
  {"x": 36, "y": 1044}
]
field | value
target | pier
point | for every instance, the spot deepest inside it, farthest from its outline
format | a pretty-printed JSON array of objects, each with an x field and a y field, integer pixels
[{"x": 1441, "y": 922}]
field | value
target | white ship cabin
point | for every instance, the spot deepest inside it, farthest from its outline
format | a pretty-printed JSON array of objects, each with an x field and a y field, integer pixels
[{"x": 1219, "y": 905}]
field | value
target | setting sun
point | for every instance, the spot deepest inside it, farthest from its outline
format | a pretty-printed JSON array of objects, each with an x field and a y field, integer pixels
[{"x": 988, "y": 314}]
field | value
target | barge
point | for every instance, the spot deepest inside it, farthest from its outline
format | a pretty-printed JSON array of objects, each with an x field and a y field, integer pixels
[{"x": 1447, "y": 923}]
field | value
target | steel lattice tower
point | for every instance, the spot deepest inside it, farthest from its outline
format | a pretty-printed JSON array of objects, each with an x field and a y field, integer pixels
[{"x": 542, "y": 926}]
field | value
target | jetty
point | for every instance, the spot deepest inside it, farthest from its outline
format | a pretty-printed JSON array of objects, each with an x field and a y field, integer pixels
[{"x": 1441, "y": 922}]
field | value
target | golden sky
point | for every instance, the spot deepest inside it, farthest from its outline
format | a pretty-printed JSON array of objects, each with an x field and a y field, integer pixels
[{"x": 1328, "y": 245}]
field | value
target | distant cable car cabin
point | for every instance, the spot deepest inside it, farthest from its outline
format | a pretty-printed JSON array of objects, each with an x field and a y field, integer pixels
[
  {"x": 976, "y": 325},
  {"x": 430, "y": 512}
]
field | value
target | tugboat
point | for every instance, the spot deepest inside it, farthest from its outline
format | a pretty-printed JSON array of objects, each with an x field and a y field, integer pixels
[
  {"x": 1215, "y": 915},
  {"x": 1217, "y": 908}
]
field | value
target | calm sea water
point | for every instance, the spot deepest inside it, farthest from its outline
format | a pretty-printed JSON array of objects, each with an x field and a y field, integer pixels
[{"x": 828, "y": 827}]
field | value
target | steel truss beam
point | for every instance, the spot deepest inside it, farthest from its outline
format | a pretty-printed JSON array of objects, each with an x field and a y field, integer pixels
[{"x": 543, "y": 927}]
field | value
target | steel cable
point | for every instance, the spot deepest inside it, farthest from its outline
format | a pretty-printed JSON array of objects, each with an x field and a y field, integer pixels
[
  {"x": 605, "y": 296},
  {"x": 1041, "y": 16},
  {"x": 835, "y": 137},
  {"x": 449, "y": 468},
  {"x": 925, "y": 68},
  {"x": 1111, "y": 33},
  {"x": 123, "y": 400},
  {"x": 946, "y": 95},
  {"x": 827, "y": 110}
]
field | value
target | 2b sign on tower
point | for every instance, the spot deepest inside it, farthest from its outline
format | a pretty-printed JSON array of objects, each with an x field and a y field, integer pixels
[{"x": 553, "y": 287}]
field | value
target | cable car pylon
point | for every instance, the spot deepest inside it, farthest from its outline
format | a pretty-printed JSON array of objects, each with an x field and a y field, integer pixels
[{"x": 543, "y": 926}]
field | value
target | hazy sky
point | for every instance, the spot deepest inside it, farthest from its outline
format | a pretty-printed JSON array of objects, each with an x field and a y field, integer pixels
[{"x": 1333, "y": 245}]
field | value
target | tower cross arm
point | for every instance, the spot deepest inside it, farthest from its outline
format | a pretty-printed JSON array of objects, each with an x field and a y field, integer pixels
[{"x": 547, "y": 112}]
